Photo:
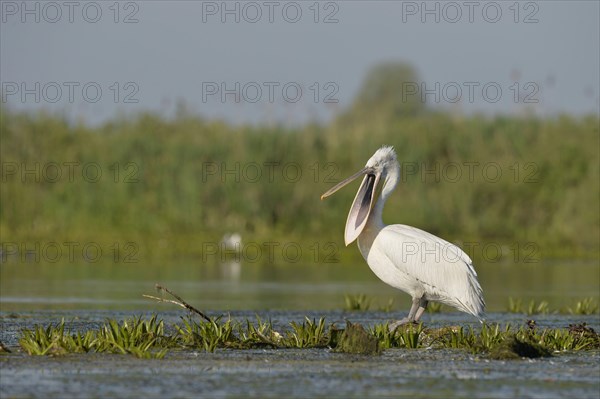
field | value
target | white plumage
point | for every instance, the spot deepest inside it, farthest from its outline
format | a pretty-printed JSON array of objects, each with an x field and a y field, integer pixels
[{"x": 412, "y": 260}]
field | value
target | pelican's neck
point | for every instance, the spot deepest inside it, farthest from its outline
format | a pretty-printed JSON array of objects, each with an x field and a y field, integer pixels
[
  {"x": 375, "y": 221},
  {"x": 391, "y": 181},
  {"x": 376, "y": 217}
]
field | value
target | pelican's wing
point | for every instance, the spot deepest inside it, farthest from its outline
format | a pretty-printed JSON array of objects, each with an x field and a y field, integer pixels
[{"x": 445, "y": 272}]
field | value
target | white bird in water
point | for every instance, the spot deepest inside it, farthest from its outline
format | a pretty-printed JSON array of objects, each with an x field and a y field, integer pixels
[
  {"x": 412, "y": 260},
  {"x": 232, "y": 242}
]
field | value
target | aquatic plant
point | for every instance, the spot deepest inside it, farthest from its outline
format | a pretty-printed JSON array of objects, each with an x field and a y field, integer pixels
[
  {"x": 362, "y": 303},
  {"x": 457, "y": 338},
  {"x": 309, "y": 334},
  {"x": 406, "y": 336},
  {"x": 146, "y": 338},
  {"x": 586, "y": 306},
  {"x": 207, "y": 335},
  {"x": 358, "y": 302},
  {"x": 577, "y": 337},
  {"x": 135, "y": 336},
  {"x": 259, "y": 335},
  {"x": 532, "y": 308},
  {"x": 491, "y": 335},
  {"x": 53, "y": 340}
]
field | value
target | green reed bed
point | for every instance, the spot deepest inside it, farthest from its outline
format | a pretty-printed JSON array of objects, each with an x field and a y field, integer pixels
[
  {"x": 171, "y": 175},
  {"x": 586, "y": 306},
  {"x": 148, "y": 338},
  {"x": 136, "y": 336}
]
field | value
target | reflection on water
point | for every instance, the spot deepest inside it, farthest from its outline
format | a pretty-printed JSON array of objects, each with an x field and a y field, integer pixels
[
  {"x": 231, "y": 270},
  {"x": 235, "y": 285}
]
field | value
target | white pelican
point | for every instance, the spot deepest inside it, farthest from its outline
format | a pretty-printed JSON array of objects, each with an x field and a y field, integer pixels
[
  {"x": 412, "y": 260},
  {"x": 232, "y": 242}
]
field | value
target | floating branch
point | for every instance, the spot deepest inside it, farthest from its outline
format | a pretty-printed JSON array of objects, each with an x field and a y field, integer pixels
[
  {"x": 179, "y": 301},
  {"x": 3, "y": 348}
]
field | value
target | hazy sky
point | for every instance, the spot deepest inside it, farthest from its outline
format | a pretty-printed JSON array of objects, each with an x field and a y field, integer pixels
[{"x": 292, "y": 61}]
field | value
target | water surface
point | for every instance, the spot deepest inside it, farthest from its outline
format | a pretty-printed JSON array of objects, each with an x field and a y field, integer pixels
[
  {"x": 253, "y": 286},
  {"x": 86, "y": 294},
  {"x": 290, "y": 373}
]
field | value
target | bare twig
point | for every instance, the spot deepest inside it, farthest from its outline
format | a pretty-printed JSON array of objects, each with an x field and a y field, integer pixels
[
  {"x": 164, "y": 300},
  {"x": 179, "y": 301},
  {"x": 4, "y": 348}
]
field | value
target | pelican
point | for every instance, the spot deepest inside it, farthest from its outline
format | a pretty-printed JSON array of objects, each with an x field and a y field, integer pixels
[{"x": 412, "y": 260}]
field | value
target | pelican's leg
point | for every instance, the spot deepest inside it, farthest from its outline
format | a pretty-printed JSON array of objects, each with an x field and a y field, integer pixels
[
  {"x": 422, "y": 307},
  {"x": 411, "y": 315}
]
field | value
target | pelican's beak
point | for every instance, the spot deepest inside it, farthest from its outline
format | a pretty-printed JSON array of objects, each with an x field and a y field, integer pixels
[{"x": 363, "y": 202}]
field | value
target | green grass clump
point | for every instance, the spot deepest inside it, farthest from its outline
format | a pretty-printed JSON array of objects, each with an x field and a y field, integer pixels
[
  {"x": 260, "y": 334},
  {"x": 358, "y": 302},
  {"x": 136, "y": 336},
  {"x": 532, "y": 308},
  {"x": 586, "y": 306},
  {"x": 309, "y": 334},
  {"x": 53, "y": 340},
  {"x": 362, "y": 303},
  {"x": 207, "y": 335},
  {"x": 406, "y": 336},
  {"x": 577, "y": 337},
  {"x": 489, "y": 338},
  {"x": 457, "y": 337}
]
